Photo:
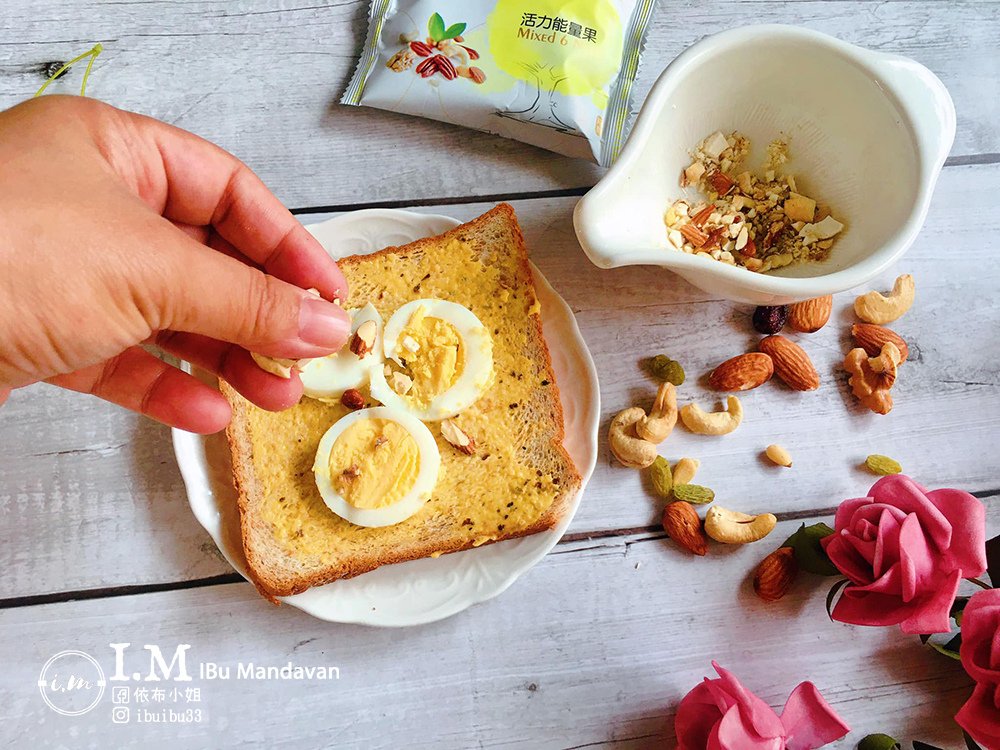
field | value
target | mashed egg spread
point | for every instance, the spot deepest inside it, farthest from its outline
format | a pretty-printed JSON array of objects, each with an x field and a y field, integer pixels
[
  {"x": 374, "y": 463},
  {"x": 486, "y": 495}
]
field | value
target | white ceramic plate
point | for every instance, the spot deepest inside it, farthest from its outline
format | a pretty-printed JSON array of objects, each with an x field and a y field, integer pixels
[{"x": 424, "y": 590}]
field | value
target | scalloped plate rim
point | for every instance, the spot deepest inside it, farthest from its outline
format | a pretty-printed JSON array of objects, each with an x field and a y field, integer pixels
[{"x": 517, "y": 555}]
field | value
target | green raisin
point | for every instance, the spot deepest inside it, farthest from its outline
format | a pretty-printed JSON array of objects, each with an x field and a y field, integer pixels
[
  {"x": 693, "y": 493},
  {"x": 882, "y": 465},
  {"x": 666, "y": 369},
  {"x": 661, "y": 476}
]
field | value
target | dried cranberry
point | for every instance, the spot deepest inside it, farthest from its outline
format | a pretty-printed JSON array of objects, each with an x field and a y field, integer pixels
[{"x": 770, "y": 319}]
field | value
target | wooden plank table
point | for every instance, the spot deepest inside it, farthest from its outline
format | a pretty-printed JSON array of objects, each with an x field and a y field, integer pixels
[{"x": 594, "y": 646}]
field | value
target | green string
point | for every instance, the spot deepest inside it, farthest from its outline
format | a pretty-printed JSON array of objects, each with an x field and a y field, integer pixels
[{"x": 91, "y": 53}]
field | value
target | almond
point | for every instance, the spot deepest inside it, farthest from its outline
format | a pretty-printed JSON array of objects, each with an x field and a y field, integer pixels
[
  {"x": 364, "y": 339},
  {"x": 811, "y": 315},
  {"x": 775, "y": 574},
  {"x": 791, "y": 363},
  {"x": 701, "y": 217},
  {"x": 694, "y": 235},
  {"x": 458, "y": 437},
  {"x": 681, "y": 522},
  {"x": 743, "y": 372},
  {"x": 872, "y": 338},
  {"x": 721, "y": 182},
  {"x": 353, "y": 399}
]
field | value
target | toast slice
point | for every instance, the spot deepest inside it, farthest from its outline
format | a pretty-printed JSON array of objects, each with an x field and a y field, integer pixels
[{"x": 520, "y": 481}]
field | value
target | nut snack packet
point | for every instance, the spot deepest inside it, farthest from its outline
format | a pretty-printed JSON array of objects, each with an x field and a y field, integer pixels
[{"x": 553, "y": 73}]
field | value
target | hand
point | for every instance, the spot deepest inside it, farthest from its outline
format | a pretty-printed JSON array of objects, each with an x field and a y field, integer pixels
[{"x": 119, "y": 230}]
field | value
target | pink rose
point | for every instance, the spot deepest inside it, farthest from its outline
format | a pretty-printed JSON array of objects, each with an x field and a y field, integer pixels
[
  {"x": 723, "y": 715},
  {"x": 980, "y": 716},
  {"x": 905, "y": 550}
]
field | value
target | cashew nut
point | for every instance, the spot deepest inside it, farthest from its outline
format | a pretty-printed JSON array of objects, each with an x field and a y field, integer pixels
[
  {"x": 451, "y": 49},
  {"x": 733, "y": 527},
  {"x": 278, "y": 365},
  {"x": 662, "y": 417},
  {"x": 630, "y": 449},
  {"x": 713, "y": 423},
  {"x": 275, "y": 365},
  {"x": 879, "y": 309},
  {"x": 685, "y": 469}
]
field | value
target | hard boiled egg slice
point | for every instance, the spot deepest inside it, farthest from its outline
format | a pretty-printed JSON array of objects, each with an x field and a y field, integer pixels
[
  {"x": 439, "y": 360},
  {"x": 326, "y": 378},
  {"x": 377, "y": 467}
]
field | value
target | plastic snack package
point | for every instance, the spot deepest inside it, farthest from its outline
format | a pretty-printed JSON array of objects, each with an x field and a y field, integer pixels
[{"x": 553, "y": 73}]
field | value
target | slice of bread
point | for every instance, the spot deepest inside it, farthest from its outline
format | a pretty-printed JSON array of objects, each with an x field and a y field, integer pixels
[{"x": 520, "y": 481}]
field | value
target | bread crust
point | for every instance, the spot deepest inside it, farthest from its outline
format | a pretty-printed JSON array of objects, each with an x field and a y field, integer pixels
[{"x": 250, "y": 492}]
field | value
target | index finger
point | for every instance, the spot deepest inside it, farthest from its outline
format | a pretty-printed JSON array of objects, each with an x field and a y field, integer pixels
[{"x": 206, "y": 185}]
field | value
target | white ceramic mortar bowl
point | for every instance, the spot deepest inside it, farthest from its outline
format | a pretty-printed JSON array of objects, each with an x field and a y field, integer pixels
[{"x": 867, "y": 132}]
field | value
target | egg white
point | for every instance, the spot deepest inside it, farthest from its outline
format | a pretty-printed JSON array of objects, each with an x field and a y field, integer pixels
[
  {"x": 406, "y": 506},
  {"x": 326, "y": 378},
  {"x": 470, "y": 385}
]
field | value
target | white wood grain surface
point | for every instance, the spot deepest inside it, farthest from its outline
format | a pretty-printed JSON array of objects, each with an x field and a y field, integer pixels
[
  {"x": 79, "y": 475},
  {"x": 262, "y": 79},
  {"x": 593, "y": 647}
]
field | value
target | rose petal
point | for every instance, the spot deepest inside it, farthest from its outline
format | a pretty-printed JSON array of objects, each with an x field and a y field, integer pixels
[
  {"x": 846, "y": 510},
  {"x": 887, "y": 543},
  {"x": 696, "y": 715},
  {"x": 809, "y": 720},
  {"x": 847, "y": 559},
  {"x": 733, "y": 733},
  {"x": 723, "y": 700},
  {"x": 902, "y": 492},
  {"x": 873, "y": 513},
  {"x": 857, "y": 606},
  {"x": 967, "y": 515},
  {"x": 865, "y": 549},
  {"x": 980, "y": 649},
  {"x": 760, "y": 716},
  {"x": 931, "y": 613},
  {"x": 980, "y": 717},
  {"x": 916, "y": 561}
]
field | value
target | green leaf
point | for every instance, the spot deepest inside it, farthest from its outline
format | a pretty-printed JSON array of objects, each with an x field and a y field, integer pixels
[
  {"x": 878, "y": 742},
  {"x": 456, "y": 29},
  {"x": 993, "y": 561},
  {"x": 832, "y": 596},
  {"x": 958, "y": 608},
  {"x": 949, "y": 649},
  {"x": 809, "y": 553},
  {"x": 435, "y": 27},
  {"x": 970, "y": 743}
]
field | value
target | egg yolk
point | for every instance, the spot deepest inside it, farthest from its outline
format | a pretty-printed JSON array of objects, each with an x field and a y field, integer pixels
[
  {"x": 374, "y": 463},
  {"x": 434, "y": 356}
]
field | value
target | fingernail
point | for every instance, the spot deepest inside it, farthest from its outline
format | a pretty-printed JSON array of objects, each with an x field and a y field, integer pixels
[{"x": 323, "y": 324}]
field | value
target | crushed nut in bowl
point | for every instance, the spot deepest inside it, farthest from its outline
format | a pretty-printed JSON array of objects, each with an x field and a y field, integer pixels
[{"x": 757, "y": 221}]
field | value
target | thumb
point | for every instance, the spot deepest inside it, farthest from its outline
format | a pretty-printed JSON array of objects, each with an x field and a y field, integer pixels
[{"x": 218, "y": 296}]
